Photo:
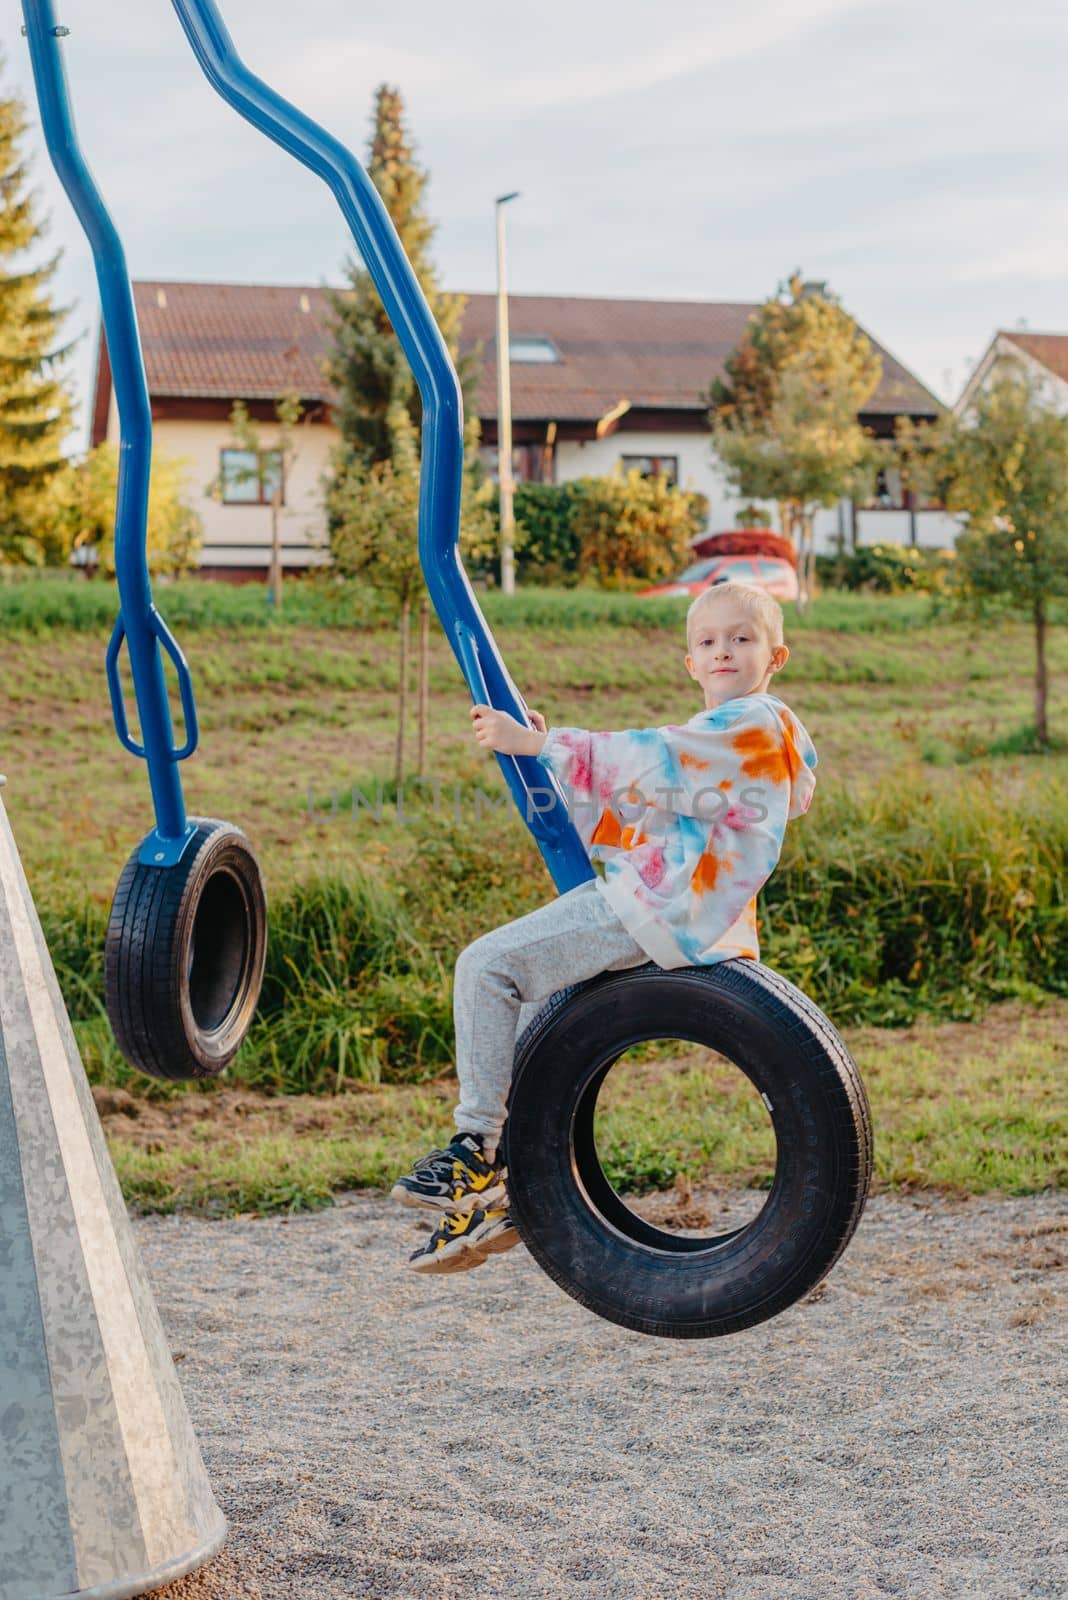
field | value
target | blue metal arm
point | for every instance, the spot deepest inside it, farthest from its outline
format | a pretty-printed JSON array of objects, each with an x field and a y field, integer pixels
[
  {"x": 139, "y": 622},
  {"x": 442, "y": 457}
]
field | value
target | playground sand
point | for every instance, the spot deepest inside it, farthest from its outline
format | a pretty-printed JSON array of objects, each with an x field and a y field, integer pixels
[{"x": 373, "y": 1433}]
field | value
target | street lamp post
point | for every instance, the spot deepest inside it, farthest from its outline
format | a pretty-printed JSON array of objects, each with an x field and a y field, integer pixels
[{"x": 504, "y": 410}]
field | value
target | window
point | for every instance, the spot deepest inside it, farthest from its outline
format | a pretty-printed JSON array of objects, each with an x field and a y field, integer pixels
[
  {"x": 892, "y": 495},
  {"x": 531, "y": 463},
  {"x": 249, "y": 479},
  {"x": 889, "y": 495},
  {"x": 532, "y": 348},
  {"x": 653, "y": 466},
  {"x": 699, "y": 570}
]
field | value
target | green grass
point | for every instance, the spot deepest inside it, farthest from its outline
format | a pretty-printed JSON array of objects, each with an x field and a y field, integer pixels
[
  {"x": 927, "y": 881},
  {"x": 43, "y": 602},
  {"x": 49, "y": 603},
  {"x": 275, "y": 1174},
  {"x": 300, "y": 708},
  {"x": 912, "y": 886},
  {"x": 889, "y": 903}
]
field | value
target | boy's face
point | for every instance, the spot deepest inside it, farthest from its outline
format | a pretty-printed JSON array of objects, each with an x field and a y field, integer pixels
[{"x": 730, "y": 654}]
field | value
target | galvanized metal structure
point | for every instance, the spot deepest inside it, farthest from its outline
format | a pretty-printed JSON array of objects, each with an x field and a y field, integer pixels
[{"x": 103, "y": 1492}]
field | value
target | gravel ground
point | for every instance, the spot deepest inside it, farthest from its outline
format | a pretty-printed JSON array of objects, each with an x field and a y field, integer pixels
[{"x": 373, "y": 1433}]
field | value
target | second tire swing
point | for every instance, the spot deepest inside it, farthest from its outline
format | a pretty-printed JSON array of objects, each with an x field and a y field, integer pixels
[{"x": 185, "y": 953}]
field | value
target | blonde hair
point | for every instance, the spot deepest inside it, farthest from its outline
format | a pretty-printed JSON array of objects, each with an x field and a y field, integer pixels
[{"x": 764, "y": 609}]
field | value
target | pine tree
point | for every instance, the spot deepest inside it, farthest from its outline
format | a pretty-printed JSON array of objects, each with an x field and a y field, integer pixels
[
  {"x": 372, "y": 493},
  {"x": 367, "y": 366},
  {"x": 35, "y": 404}
]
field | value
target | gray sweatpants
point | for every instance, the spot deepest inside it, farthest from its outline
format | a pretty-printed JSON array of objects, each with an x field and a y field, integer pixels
[{"x": 574, "y": 937}]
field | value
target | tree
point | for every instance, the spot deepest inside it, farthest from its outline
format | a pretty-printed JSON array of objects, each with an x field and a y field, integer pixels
[
  {"x": 35, "y": 404},
  {"x": 268, "y": 466},
  {"x": 375, "y": 535},
  {"x": 78, "y": 506},
  {"x": 1004, "y": 465},
  {"x": 366, "y": 365},
  {"x": 374, "y": 384},
  {"x": 784, "y": 421}
]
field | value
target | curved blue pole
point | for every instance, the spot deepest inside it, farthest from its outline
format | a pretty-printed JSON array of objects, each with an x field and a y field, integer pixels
[
  {"x": 535, "y": 792},
  {"x": 139, "y": 622}
]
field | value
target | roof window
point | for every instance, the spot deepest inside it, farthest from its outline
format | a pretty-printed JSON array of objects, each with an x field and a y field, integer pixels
[{"x": 532, "y": 349}]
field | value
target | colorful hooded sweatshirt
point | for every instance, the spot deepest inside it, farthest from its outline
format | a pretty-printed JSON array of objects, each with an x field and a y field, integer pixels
[{"x": 684, "y": 825}]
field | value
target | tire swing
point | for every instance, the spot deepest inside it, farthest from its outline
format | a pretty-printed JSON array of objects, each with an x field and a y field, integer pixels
[
  {"x": 187, "y": 932},
  {"x": 184, "y": 955},
  {"x": 578, "y": 1228}
]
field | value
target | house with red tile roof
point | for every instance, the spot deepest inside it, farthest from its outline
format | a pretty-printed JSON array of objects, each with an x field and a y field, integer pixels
[
  {"x": 1043, "y": 355},
  {"x": 598, "y": 385}
]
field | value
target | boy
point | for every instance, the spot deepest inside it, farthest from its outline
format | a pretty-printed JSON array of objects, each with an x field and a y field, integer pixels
[{"x": 684, "y": 825}]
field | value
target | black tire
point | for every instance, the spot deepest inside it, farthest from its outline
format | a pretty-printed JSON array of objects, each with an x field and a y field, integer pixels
[
  {"x": 184, "y": 955},
  {"x": 580, "y": 1231}
]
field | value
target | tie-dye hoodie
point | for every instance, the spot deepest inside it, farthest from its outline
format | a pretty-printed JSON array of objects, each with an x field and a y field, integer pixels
[{"x": 685, "y": 824}]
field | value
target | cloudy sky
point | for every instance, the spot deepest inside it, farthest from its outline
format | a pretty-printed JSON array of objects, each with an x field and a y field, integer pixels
[{"x": 913, "y": 154}]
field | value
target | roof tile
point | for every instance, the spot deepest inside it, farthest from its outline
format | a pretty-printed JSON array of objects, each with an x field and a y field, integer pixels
[
  {"x": 230, "y": 340},
  {"x": 1050, "y": 349}
]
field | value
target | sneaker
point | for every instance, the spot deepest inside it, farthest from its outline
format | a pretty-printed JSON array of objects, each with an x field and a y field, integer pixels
[
  {"x": 456, "y": 1180},
  {"x": 465, "y": 1239}
]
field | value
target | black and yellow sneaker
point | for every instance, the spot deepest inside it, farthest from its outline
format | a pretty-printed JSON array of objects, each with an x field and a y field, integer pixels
[
  {"x": 457, "y": 1179},
  {"x": 465, "y": 1239}
]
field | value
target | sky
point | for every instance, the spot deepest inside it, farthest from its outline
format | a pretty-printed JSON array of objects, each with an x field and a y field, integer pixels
[{"x": 914, "y": 155}]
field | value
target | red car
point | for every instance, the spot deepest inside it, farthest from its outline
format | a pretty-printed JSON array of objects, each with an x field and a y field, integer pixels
[{"x": 766, "y": 572}]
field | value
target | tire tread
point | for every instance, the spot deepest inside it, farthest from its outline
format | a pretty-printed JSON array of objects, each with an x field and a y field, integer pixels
[{"x": 823, "y": 1054}]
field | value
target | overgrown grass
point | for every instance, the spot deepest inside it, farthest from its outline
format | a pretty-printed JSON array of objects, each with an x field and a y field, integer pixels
[
  {"x": 42, "y": 603},
  {"x": 904, "y": 898},
  {"x": 891, "y": 902},
  {"x": 53, "y": 602}
]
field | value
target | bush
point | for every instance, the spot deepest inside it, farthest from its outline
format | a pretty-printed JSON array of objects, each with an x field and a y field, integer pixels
[
  {"x": 895, "y": 900},
  {"x": 886, "y": 569},
  {"x": 617, "y": 531},
  {"x": 547, "y": 549},
  {"x": 700, "y": 508},
  {"x": 78, "y": 504},
  {"x": 633, "y": 530}
]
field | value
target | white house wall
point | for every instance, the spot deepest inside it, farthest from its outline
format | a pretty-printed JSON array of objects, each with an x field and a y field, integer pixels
[
  {"x": 699, "y": 470},
  {"x": 240, "y": 535},
  {"x": 1005, "y": 358}
]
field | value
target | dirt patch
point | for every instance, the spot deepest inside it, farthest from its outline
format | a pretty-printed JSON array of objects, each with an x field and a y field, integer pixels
[
  {"x": 960, "y": 1042},
  {"x": 678, "y": 1210},
  {"x": 224, "y": 1117}
]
